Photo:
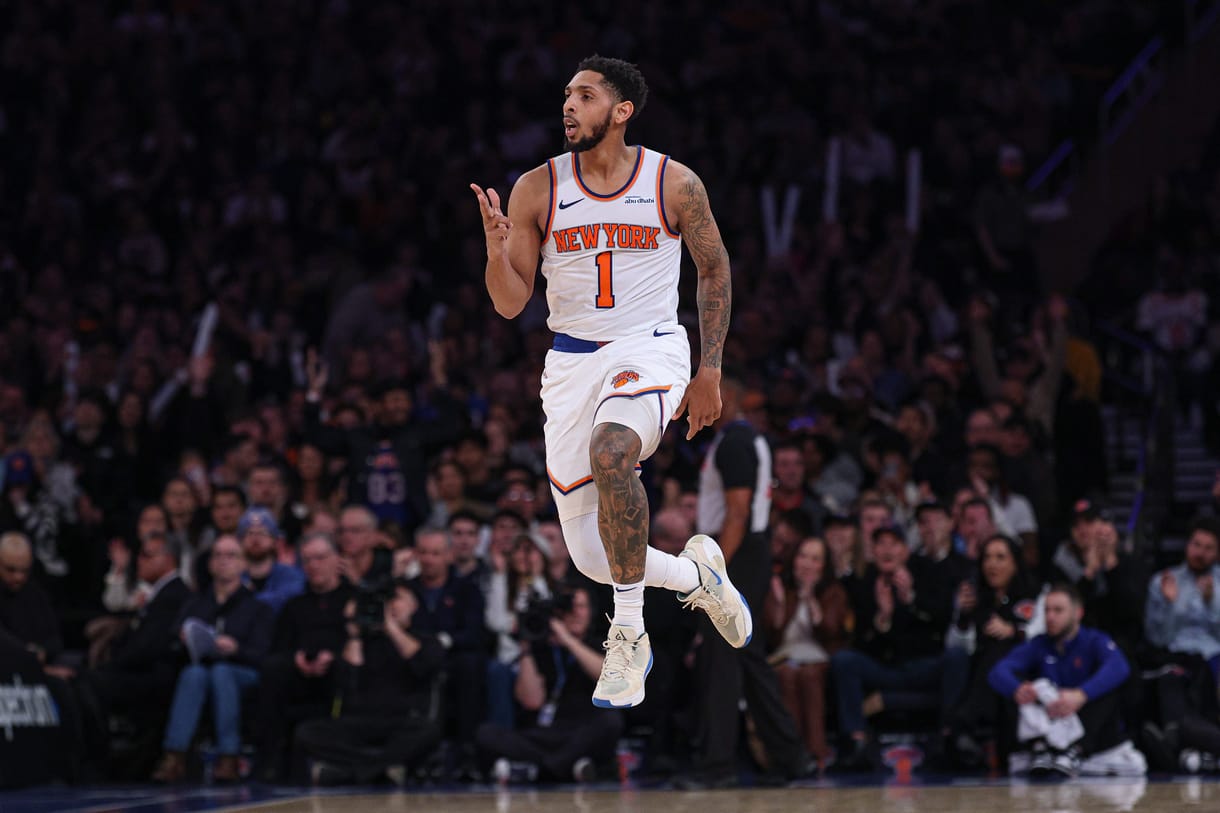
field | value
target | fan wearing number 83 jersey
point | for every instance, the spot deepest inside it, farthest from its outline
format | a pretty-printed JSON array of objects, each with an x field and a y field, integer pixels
[{"x": 609, "y": 221}]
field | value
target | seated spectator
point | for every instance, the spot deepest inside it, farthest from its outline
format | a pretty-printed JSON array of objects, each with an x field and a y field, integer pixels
[
  {"x": 185, "y": 526},
  {"x": 788, "y": 530},
  {"x": 447, "y": 483},
  {"x": 273, "y": 583},
  {"x": 1183, "y": 617},
  {"x": 898, "y": 643},
  {"x": 790, "y": 492},
  {"x": 25, "y": 608},
  {"x": 998, "y": 608},
  {"x": 123, "y": 592},
  {"x": 893, "y": 480},
  {"x": 987, "y": 477},
  {"x": 451, "y": 609},
  {"x": 314, "y": 489},
  {"x": 807, "y": 617},
  {"x": 388, "y": 720},
  {"x": 516, "y": 581},
  {"x": 361, "y": 562},
  {"x": 138, "y": 676},
  {"x": 38, "y": 498},
  {"x": 1110, "y": 580},
  {"x": 873, "y": 513},
  {"x": 265, "y": 488},
  {"x": 846, "y": 553},
  {"x": 297, "y": 680},
  {"x": 241, "y": 629},
  {"x": 975, "y": 526},
  {"x": 1070, "y": 671},
  {"x": 929, "y": 469},
  {"x": 227, "y": 507},
  {"x": 463, "y": 529},
  {"x": 569, "y": 737}
]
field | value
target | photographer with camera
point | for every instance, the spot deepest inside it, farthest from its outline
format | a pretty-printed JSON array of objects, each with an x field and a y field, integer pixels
[
  {"x": 558, "y": 669},
  {"x": 517, "y": 577},
  {"x": 385, "y": 717}
]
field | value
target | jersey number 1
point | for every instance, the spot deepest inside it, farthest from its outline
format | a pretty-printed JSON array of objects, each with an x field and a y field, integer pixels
[{"x": 605, "y": 282}]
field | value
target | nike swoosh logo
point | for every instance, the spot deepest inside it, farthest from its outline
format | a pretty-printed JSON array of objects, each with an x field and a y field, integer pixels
[
  {"x": 659, "y": 334},
  {"x": 563, "y": 205},
  {"x": 623, "y": 589},
  {"x": 717, "y": 575}
]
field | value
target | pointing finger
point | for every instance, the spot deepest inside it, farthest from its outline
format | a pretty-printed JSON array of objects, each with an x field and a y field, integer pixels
[{"x": 494, "y": 197}]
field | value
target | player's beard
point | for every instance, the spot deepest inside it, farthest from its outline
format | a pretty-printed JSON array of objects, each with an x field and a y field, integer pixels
[{"x": 586, "y": 144}]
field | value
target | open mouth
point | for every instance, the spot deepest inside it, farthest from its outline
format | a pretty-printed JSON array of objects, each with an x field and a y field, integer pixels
[{"x": 569, "y": 128}]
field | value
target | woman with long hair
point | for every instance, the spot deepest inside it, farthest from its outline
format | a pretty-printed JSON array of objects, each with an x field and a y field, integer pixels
[
  {"x": 807, "y": 618},
  {"x": 997, "y": 609},
  {"x": 517, "y": 579}
]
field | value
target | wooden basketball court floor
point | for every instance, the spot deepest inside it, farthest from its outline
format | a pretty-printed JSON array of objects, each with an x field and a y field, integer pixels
[
  {"x": 1093, "y": 795},
  {"x": 1111, "y": 796}
]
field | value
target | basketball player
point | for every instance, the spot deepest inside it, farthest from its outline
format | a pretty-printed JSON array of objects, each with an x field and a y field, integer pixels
[{"x": 608, "y": 221}]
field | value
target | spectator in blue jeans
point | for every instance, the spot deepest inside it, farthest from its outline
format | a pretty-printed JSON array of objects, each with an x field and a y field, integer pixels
[
  {"x": 898, "y": 643},
  {"x": 224, "y": 663}
]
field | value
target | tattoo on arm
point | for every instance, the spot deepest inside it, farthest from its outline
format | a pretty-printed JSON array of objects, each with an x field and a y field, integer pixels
[
  {"x": 622, "y": 504},
  {"x": 706, "y": 247}
]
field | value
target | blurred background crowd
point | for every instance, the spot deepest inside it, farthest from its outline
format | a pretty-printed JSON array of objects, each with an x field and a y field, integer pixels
[{"x": 347, "y": 482}]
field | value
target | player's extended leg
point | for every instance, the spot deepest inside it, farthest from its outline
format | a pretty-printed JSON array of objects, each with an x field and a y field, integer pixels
[{"x": 622, "y": 523}]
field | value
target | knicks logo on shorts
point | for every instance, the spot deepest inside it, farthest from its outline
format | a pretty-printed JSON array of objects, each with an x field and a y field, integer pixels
[{"x": 624, "y": 378}]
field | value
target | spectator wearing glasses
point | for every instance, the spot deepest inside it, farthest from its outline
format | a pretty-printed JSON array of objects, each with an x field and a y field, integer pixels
[{"x": 238, "y": 636}]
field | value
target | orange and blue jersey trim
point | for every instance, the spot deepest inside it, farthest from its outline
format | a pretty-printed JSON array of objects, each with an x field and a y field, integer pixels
[
  {"x": 635, "y": 173},
  {"x": 575, "y": 484},
  {"x": 550, "y": 209},
  {"x": 661, "y": 197}
]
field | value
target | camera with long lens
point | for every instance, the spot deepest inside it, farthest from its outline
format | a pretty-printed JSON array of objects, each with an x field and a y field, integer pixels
[
  {"x": 534, "y": 624},
  {"x": 372, "y": 595}
]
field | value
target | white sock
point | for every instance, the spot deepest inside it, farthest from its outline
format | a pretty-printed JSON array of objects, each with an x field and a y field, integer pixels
[
  {"x": 629, "y": 606},
  {"x": 675, "y": 572}
]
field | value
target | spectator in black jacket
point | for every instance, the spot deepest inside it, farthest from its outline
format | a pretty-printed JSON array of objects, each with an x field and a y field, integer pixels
[
  {"x": 25, "y": 608},
  {"x": 995, "y": 610},
  {"x": 223, "y": 667},
  {"x": 451, "y": 608},
  {"x": 297, "y": 681},
  {"x": 899, "y": 643},
  {"x": 387, "y": 717},
  {"x": 1109, "y": 579},
  {"x": 138, "y": 679}
]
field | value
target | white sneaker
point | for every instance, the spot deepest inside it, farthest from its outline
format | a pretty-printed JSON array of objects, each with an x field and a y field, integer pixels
[
  {"x": 628, "y": 661},
  {"x": 715, "y": 594}
]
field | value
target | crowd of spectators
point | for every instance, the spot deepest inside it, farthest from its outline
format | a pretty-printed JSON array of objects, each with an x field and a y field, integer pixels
[{"x": 345, "y": 486}]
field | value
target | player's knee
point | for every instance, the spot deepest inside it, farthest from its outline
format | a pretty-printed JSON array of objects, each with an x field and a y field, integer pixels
[{"x": 614, "y": 450}]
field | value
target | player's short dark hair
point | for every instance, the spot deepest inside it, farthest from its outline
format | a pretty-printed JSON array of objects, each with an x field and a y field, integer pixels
[{"x": 620, "y": 76}]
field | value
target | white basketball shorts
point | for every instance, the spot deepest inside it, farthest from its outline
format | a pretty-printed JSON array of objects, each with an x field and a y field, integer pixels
[{"x": 637, "y": 381}]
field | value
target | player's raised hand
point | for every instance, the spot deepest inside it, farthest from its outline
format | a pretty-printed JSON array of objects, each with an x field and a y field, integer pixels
[{"x": 496, "y": 224}]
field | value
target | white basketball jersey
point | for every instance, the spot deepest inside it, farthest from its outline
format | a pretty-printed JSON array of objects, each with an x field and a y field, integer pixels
[{"x": 611, "y": 262}]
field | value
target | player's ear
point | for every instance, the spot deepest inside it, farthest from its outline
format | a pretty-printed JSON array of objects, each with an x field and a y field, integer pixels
[{"x": 623, "y": 111}]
